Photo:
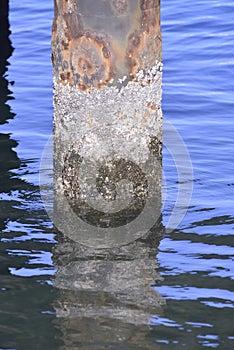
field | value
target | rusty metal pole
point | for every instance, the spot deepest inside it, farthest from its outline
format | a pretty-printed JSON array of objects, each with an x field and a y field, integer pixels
[
  {"x": 95, "y": 43},
  {"x": 107, "y": 92},
  {"x": 107, "y": 164}
]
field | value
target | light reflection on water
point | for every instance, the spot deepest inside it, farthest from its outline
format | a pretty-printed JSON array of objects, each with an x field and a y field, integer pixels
[{"x": 195, "y": 261}]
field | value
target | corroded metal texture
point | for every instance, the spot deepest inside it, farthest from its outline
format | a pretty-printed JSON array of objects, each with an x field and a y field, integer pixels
[
  {"x": 107, "y": 159},
  {"x": 107, "y": 118},
  {"x": 95, "y": 43}
]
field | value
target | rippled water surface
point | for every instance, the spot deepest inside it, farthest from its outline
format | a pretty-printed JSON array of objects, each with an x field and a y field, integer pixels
[{"x": 191, "y": 299}]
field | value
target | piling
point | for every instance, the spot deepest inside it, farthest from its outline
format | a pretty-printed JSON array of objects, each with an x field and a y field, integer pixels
[
  {"x": 106, "y": 58},
  {"x": 107, "y": 166}
]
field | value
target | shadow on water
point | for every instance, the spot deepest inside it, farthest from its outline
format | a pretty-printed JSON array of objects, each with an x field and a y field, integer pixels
[
  {"x": 5, "y": 53},
  {"x": 8, "y": 157},
  {"x": 24, "y": 298}
]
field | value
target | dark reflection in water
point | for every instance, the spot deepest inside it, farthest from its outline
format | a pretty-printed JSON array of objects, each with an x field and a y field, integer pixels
[
  {"x": 106, "y": 296},
  {"x": 5, "y": 52},
  {"x": 8, "y": 158},
  {"x": 24, "y": 298}
]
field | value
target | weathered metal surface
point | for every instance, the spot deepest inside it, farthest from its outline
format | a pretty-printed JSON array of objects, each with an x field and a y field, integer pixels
[
  {"x": 107, "y": 159},
  {"x": 95, "y": 43},
  {"x": 107, "y": 117}
]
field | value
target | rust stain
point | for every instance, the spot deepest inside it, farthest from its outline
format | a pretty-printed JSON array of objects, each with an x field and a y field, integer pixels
[
  {"x": 150, "y": 12},
  {"x": 106, "y": 52},
  {"x": 54, "y": 25},
  {"x": 144, "y": 44},
  {"x": 65, "y": 76},
  {"x": 119, "y": 6},
  {"x": 145, "y": 118},
  {"x": 88, "y": 59},
  {"x": 121, "y": 116},
  {"x": 74, "y": 25},
  {"x": 152, "y": 106},
  {"x": 65, "y": 45}
]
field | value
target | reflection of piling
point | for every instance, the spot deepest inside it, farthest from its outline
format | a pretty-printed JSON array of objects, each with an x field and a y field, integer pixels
[
  {"x": 107, "y": 94},
  {"x": 105, "y": 295}
]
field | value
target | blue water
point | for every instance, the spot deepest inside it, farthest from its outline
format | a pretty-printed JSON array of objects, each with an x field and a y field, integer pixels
[{"x": 195, "y": 260}]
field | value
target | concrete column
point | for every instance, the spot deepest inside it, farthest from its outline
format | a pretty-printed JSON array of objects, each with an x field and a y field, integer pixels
[{"x": 107, "y": 118}]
